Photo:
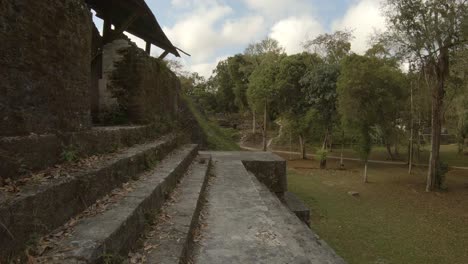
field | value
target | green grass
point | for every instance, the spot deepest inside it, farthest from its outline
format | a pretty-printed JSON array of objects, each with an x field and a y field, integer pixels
[
  {"x": 448, "y": 154},
  {"x": 393, "y": 220},
  {"x": 218, "y": 138}
]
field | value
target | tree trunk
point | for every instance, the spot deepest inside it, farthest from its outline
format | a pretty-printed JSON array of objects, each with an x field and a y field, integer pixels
[
  {"x": 254, "y": 123},
  {"x": 325, "y": 140},
  {"x": 265, "y": 127},
  {"x": 303, "y": 147},
  {"x": 410, "y": 150},
  {"x": 389, "y": 151},
  {"x": 419, "y": 138},
  {"x": 365, "y": 172},
  {"x": 434, "y": 180},
  {"x": 397, "y": 152},
  {"x": 342, "y": 150}
]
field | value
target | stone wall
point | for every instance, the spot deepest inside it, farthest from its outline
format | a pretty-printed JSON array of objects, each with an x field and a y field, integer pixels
[
  {"x": 145, "y": 89},
  {"x": 45, "y": 63}
]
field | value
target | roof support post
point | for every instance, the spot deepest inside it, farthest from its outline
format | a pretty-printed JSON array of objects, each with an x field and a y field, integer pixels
[
  {"x": 148, "y": 47},
  {"x": 165, "y": 53},
  {"x": 107, "y": 30}
]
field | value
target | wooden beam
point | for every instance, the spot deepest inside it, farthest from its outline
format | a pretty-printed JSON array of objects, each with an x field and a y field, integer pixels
[
  {"x": 165, "y": 53},
  {"x": 127, "y": 23},
  {"x": 148, "y": 47}
]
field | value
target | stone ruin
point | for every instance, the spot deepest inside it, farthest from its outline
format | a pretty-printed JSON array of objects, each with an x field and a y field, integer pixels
[{"x": 100, "y": 160}]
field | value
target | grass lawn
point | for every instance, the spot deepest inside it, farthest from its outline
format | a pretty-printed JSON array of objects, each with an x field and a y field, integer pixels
[
  {"x": 218, "y": 138},
  {"x": 393, "y": 220},
  {"x": 448, "y": 154}
]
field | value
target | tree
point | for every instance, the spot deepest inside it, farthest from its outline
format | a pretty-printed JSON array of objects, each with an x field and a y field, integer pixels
[
  {"x": 266, "y": 46},
  {"x": 239, "y": 71},
  {"x": 255, "y": 54},
  {"x": 319, "y": 89},
  {"x": 456, "y": 114},
  {"x": 331, "y": 47},
  {"x": 262, "y": 90},
  {"x": 427, "y": 31},
  {"x": 291, "y": 101},
  {"x": 223, "y": 85},
  {"x": 367, "y": 91}
]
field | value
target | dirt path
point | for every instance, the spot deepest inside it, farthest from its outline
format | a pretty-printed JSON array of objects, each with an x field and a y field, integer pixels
[{"x": 350, "y": 159}]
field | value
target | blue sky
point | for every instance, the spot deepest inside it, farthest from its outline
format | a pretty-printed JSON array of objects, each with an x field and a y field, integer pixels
[{"x": 211, "y": 30}]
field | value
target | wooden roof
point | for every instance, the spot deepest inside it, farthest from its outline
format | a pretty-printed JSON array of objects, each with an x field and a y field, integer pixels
[{"x": 145, "y": 26}]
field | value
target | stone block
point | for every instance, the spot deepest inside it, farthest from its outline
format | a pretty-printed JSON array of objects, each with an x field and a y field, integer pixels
[{"x": 44, "y": 66}]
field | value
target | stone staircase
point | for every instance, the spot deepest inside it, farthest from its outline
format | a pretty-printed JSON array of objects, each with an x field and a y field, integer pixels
[{"x": 160, "y": 202}]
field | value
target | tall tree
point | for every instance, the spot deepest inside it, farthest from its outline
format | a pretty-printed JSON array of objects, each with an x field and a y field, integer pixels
[
  {"x": 223, "y": 84},
  {"x": 428, "y": 30},
  {"x": 368, "y": 89},
  {"x": 239, "y": 71},
  {"x": 291, "y": 101},
  {"x": 319, "y": 89},
  {"x": 262, "y": 90},
  {"x": 332, "y": 47},
  {"x": 255, "y": 54},
  {"x": 266, "y": 46}
]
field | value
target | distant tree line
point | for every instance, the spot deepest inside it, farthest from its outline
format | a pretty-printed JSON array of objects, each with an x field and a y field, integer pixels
[{"x": 330, "y": 92}]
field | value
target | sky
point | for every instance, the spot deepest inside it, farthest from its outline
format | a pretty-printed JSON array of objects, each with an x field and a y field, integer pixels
[{"x": 212, "y": 30}]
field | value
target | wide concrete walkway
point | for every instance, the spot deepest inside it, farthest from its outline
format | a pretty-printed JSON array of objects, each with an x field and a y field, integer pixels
[{"x": 246, "y": 223}]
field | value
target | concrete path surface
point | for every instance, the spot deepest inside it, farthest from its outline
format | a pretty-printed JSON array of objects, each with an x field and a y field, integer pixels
[{"x": 246, "y": 223}]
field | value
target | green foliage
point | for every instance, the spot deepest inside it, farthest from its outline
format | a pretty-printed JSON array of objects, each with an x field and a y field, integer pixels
[
  {"x": 217, "y": 138},
  {"x": 319, "y": 89},
  {"x": 70, "y": 153},
  {"x": 223, "y": 85},
  {"x": 291, "y": 69},
  {"x": 322, "y": 154},
  {"x": 332, "y": 47},
  {"x": 239, "y": 71},
  {"x": 301, "y": 123},
  {"x": 262, "y": 89},
  {"x": 265, "y": 46},
  {"x": 369, "y": 92},
  {"x": 200, "y": 91}
]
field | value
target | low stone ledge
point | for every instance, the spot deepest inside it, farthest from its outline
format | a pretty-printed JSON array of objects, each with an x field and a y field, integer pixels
[
  {"x": 19, "y": 156},
  {"x": 269, "y": 168},
  {"x": 297, "y": 206}
]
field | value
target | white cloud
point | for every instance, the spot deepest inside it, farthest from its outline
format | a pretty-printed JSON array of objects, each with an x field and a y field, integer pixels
[
  {"x": 364, "y": 18},
  {"x": 276, "y": 9},
  {"x": 206, "y": 69},
  {"x": 292, "y": 32},
  {"x": 209, "y": 28},
  {"x": 243, "y": 30},
  {"x": 196, "y": 32}
]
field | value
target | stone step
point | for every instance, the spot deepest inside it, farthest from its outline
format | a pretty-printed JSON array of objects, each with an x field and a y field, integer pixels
[
  {"x": 104, "y": 236},
  {"x": 46, "y": 203},
  {"x": 297, "y": 206},
  {"x": 168, "y": 241},
  {"x": 25, "y": 154},
  {"x": 246, "y": 223},
  {"x": 298, "y": 233}
]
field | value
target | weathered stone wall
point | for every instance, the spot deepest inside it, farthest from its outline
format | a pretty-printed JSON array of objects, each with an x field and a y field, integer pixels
[
  {"x": 146, "y": 90},
  {"x": 44, "y": 66},
  {"x": 20, "y": 156}
]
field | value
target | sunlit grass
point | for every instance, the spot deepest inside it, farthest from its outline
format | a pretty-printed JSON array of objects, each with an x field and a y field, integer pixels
[
  {"x": 218, "y": 138},
  {"x": 393, "y": 220}
]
